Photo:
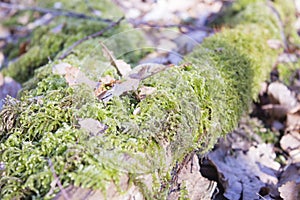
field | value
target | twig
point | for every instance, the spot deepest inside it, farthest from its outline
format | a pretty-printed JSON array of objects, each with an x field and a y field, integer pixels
[
  {"x": 97, "y": 34},
  {"x": 179, "y": 26},
  {"x": 279, "y": 23},
  {"x": 64, "y": 193},
  {"x": 56, "y": 12}
]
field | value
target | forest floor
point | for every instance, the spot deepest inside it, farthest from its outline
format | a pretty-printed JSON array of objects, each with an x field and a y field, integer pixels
[{"x": 263, "y": 152}]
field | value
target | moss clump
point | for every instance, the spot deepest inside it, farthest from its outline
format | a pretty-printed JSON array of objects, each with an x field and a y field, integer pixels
[{"x": 191, "y": 107}]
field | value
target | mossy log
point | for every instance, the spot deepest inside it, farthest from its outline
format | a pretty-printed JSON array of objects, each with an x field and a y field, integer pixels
[{"x": 192, "y": 106}]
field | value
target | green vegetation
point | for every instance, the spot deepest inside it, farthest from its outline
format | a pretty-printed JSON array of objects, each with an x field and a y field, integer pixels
[{"x": 191, "y": 108}]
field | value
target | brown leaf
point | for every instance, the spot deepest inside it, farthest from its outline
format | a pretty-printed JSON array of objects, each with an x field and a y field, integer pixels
[
  {"x": 132, "y": 80},
  {"x": 291, "y": 144},
  {"x": 118, "y": 89},
  {"x": 279, "y": 93},
  {"x": 121, "y": 66},
  {"x": 290, "y": 191},
  {"x": 74, "y": 77}
]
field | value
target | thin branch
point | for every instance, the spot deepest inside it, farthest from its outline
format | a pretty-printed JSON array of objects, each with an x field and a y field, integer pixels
[
  {"x": 279, "y": 23},
  {"x": 179, "y": 26},
  {"x": 64, "y": 193},
  {"x": 56, "y": 12},
  {"x": 94, "y": 35}
]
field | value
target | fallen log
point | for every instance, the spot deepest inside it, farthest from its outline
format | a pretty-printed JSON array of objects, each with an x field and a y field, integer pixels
[{"x": 137, "y": 148}]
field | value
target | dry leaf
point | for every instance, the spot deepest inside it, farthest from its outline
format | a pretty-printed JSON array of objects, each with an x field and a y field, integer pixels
[
  {"x": 121, "y": 66},
  {"x": 101, "y": 89},
  {"x": 290, "y": 191},
  {"x": 145, "y": 91},
  {"x": 94, "y": 127},
  {"x": 74, "y": 77},
  {"x": 279, "y": 93},
  {"x": 132, "y": 80},
  {"x": 244, "y": 174},
  {"x": 293, "y": 119},
  {"x": 108, "y": 80},
  {"x": 291, "y": 144},
  {"x": 8, "y": 87},
  {"x": 60, "y": 68}
]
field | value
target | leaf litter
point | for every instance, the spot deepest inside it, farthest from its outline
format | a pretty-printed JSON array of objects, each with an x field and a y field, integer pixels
[{"x": 261, "y": 158}]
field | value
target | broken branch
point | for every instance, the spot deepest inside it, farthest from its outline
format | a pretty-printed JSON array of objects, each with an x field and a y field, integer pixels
[{"x": 94, "y": 35}]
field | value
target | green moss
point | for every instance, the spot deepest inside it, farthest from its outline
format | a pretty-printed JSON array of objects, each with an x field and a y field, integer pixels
[
  {"x": 105, "y": 7},
  {"x": 286, "y": 71}
]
